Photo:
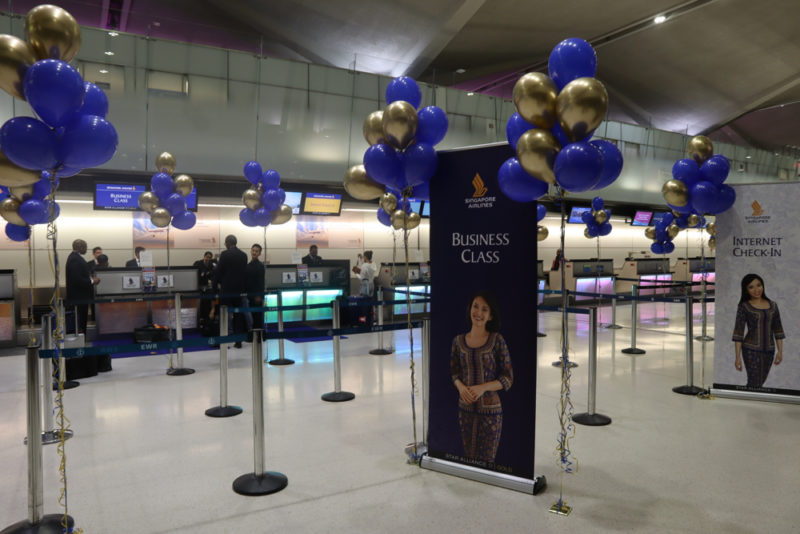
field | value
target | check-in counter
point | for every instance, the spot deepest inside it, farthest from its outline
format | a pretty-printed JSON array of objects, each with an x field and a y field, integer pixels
[
  {"x": 649, "y": 272},
  {"x": 302, "y": 285},
  {"x": 8, "y": 326},
  {"x": 541, "y": 280},
  {"x": 589, "y": 276},
  {"x": 413, "y": 277}
]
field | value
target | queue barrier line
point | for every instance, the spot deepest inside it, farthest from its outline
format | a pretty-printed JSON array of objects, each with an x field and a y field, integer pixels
[
  {"x": 167, "y": 296},
  {"x": 623, "y": 296},
  {"x": 579, "y": 311},
  {"x": 406, "y": 292}
]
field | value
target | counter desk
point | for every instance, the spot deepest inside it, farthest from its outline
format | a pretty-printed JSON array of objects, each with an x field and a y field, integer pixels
[
  {"x": 8, "y": 323},
  {"x": 696, "y": 270},
  {"x": 589, "y": 276},
  {"x": 414, "y": 277},
  {"x": 649, "y": 272},
  {"x": 302, "y": 285}
]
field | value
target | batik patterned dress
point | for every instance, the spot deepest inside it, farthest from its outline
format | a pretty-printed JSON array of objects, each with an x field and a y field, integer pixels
[
  {"x": 481, "y": 422},
  {"x": 758, "y": 346}
]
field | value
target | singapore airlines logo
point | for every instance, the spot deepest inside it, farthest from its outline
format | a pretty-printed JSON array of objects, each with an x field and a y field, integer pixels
[
  {"x": 479, "y": 198},
  {"x": 757, "y": 209},
  {"x": 758, "y": 216},
  {"x": 480, "y": 187}
]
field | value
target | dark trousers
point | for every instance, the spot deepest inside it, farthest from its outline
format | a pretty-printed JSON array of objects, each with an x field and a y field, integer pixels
[
  {"x": 258, "y": 317},
  {"x": 83, "y": 317}
]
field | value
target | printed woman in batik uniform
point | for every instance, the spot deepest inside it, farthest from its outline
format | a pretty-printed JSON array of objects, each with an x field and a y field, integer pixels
[
  {"x": 480, "y": 367},
  {"x": 764, "y": 332}
]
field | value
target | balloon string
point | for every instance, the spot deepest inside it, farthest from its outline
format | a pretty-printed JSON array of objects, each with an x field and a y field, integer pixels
[{"x": 416, "y": 456}]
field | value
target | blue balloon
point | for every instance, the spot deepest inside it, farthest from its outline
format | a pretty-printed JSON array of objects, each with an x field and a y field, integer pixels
[
  {"x": 687, "y": 171},
  {"x": 669, "y": 247},
  {"x": 55, "y": 91},
  {"x": 95, "y": 101},
  {"x": 66, "y": 172},
  {"x": 53, "y": 210},
  {"x": 421, "y": 191},
  {"x": 248, "y": 217},
  {"x": 657, "y": 248},
  {"x": 184, "y": 220},
  {"x": 597, "y": 203},
  {"x": 593, "y": 229},
  {"x": 419, "y": 163},
  {"x": 682, "y": 222},
  {"x": 571, "y": 59},
  {"x": 560, "y": 135},
  {"x": 271, "y": 179},
  {"x": 404, "y": 88},
  {"x": 18, "y": 233},
  {"x": 41, "y": 189},
  {"x": 578, "y": 167},
  {"x": 515, "y": 127},
  {"x": 703, "y": 197},
  {"x": 667, "y": 218},
  {"x": 605, "y": 228},
  {"x": 271, "y": 199},
  {"x": 29, "y": 143},
  {"x": 541, "y": 211},
  {"x": 281, "y": 195},
  {"x": 587, "y": 217},
  {"x": 612, "y": 162},
  {"x": 715, "y": 169},
  {"x": 661, "y": 235},
  {"x": 384, "y": 166},
  {"x": 725, "y": 199},
  {"x": 431, "y": 125},
  {"x": 88, "y": 142},
  {"x": 33, "y": 211},
  {"x": 161, "y": 184},
  {"x": 517, "y": 184},
  {"x": 687, "y": 209},
  {"x": 263, "y": 216},
  {"x": 175, "y": 204},
  {"x": 384, "y": 218},
  {"x": 252, "y": 171}
]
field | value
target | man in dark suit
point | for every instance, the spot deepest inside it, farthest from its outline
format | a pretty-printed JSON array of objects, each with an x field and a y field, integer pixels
[
  {"x": 96, "y": 252},
  {"x": 311, "y": 259},
  {"x": 255, "y": 284},
  {"x": 231, "y": 277},
  {"x": 135, "y": 261},
  {"x": 80, "y": 282}
]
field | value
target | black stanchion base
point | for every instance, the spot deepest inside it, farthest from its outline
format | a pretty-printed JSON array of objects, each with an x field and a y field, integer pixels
[
  {"x": 560, "y": 363},
  {"x": 632, "y": 350},
  {"x": 613, "y": 326},
  {"x": 338, "y": 396},
  {"x": 252, "y": 485},
  {"x": 183, "y": 371},
  {"x": 223, "y": 411},
  {"x": 49, "y": 524},
  {"x": 541, "y": 334},
  {"x": 68, "y": 384},
  {"x": 539, "y": 484},
  {"x": 281, "y": 361},
  {"x": 688, "y": 390},
  {"x": 591, "y": 419},
  {"x": 380, "y": 352},
  {"x": 704, "y": 338}
]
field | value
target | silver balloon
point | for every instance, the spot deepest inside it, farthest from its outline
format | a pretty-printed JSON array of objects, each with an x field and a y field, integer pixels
[
  {"x": 398, "y": 219},
  {"x": 388, "y": 203},
  {"x": 650, "y": 232},
  {"x": 359, "y": 185},
  {"x": 251, "y": 199},
  {"x": 711, "y": 228},
  {"x": 184, "y": 184},
  {"x": 673, "y": 231},
  {"x": 9, "y": 210},
  {"x": 601, "y": 216},
  {"x": 160, "y": 217},
  {"x": 165, "y": 162},
  {"x": 148, "y": 201},
  {"x": 712, "y": 243},
  {"x": 541, "y": 233},
  {"x": 413, "y": 220},
  {"x": 282, "y": 215}
]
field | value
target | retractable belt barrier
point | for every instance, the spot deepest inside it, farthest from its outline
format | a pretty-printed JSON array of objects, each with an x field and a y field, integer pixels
[{"x": 622, "y": 296}]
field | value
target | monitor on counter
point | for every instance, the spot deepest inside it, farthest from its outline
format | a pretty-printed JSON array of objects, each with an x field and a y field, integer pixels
[
  {"x": 321, "y": 204},
  {"x": 642, "y": 218},
  {"x": 125, "y": 197},
  {"x": 416, "y": 206},
  {"x": 293, "y": 200},
  {"x": 576, "y": 213}
]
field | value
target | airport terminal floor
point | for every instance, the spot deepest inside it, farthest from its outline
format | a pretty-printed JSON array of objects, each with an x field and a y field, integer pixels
[{"x": 145, "y": 458}]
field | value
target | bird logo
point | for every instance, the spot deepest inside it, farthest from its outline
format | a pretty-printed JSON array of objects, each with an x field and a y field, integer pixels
[
  {"x": 480, "y": 187},
  {"x": 757, "y": 209}
]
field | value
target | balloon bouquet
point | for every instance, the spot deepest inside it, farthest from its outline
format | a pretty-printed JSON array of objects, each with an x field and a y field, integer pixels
[
  {"x": 697, "y": 188},
  {"x": 596, "y": 220},
  {"x": 71, "y": 132},
  {"x": 166, "y": 200},
  {"x": 264, "y": 201},
  {"x": 401, "y": 158},
  {"x": 541, "y": 231}
]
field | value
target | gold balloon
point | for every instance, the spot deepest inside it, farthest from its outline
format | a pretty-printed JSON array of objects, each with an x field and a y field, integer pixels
[
  {"x": 373, "y": 128},
  {"x": 535, "y": 97},
  {"x": 712, "y": 243},
  {"x": 541, "y": 233},
  {"x": 581, "y": 106},
  {"x": 601, "y": 216},
  {"x": 673, "y": 231},
  {"x": 711, "y": 228},
  {"x": 22, "y": 192},
  {"x": 251, "y": 199},
  {"x": 388, "y": 203},
  {"x": 9, "y": 210},
  {"x": 398, "y": 219},
  {"x": 693, "y": 220},
  {"x": 586, "y": 233},
  {"x": 148, "y": 201},
  {"x": 165, "y": 162},
  {"x": 160, "y": 217},
  {"x": 13, "y": 176},
  {"x": 52, "y": 33},
  {"x": 536, "y": 151},
  {"x": 675, "y": 192},
  {"x": 359, "y": 185},
  {"x": 700, "y": 148},
  {"x": 413, "y": 220},
  {"x": 399, "y": 123},
  {"x": 15, "y": 58},
  {"x": 282, "y": 215},
  {"x": 650, "y": 232},
  {"x": 184, "y": 184}
]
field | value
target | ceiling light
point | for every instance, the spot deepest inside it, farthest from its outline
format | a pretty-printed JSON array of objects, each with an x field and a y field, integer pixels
[
  {"x": 109, "y": 53},
  {"x": 103, "y": 71},
  {"x": 747, "y": 157},
  {"x": 659, "y": 19},
  {"x": 470, "y": 93},
  {"x": 461, "y": 71},
  {"x": 113, "y": 34}
]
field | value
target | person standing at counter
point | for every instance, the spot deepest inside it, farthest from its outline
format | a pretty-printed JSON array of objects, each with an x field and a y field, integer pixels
[
  {"x": 366, "y": 272},
  {"x": 80, "y": 282},
  {"x": 231, "y": 278},
  {"x": 96, "y": 252},
  {"x": 205, "y": 270},
  {"x": 557, "y": 261},
  {"x": 311, "y": 259},
  {"x": 102, "y": 263},
  {"x": 135, "y": 262},
  {"x": 255, "y": 284}
]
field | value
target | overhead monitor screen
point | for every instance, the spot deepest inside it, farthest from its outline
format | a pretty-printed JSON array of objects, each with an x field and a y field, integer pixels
[
  {"x": 126, "y": 197},
  {"x": 642, "y": 218},
  {"x": 576, "y": 213},
  {"x": 322, "y": 204}
]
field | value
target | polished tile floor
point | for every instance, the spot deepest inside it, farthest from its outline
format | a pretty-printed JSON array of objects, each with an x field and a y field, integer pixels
[{"x": 145, "y": 458}]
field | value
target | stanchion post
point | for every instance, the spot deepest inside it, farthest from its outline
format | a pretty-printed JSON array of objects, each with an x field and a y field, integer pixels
[
  {"x": 337, "y": 395},
  {"x": 49, "y": 434},
  {"x": 62, "y": 366},
  {"x": 380, "y": 351},
  {"x": 689, "y": 388},
  {"x": 613, "y": 324},
  {"x": 704, "y": 314},
  {"x": 223, "y": 410},
  {"x": 564, "y": 332},
  {"x": 259, "y": 482},
  {"x": 426, "y": 367},
  {"x": 180, "y": 370},
  {"x": 634, "y": 322},
  {"x": 591, "y": 418},
  {"x": 280, "y": 360}
]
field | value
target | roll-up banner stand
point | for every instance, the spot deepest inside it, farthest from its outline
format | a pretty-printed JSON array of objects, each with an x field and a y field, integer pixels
[
  {"x": 758, "y": 235},
  {"x": 482, "y": 242}
]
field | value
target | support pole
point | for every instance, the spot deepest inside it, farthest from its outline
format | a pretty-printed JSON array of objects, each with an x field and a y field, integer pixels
[
  {"x": 280, "y": 360},
  {"x": 591, "y": 418},
  {"x": 61, "y": 321},
  {"x": 259, "y": 482},
  {"x": 704, "y": 337},
  {"x": 380, "y": 351},
  {"x": 337, "y": 395},
  {"x": 634, "y": 322},
  {"x": 426, "y": 368},
  {"x": 564, "y": 333},
  {"x": 223, "y": 410},
  {"x": 180, "y": 370},
  {"x": 613, "y": 324},
  {"x": 50, "y": 434},
  {"x": 689, "y": 388}
]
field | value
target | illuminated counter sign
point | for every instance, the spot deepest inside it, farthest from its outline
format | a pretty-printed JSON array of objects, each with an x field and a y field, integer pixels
[
  {"x": 322, "y": 204},
  {"x": 126, "y": 197}
]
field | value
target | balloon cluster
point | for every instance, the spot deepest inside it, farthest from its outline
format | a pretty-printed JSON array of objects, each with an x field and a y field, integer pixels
[
  {"x": 597, "y": 220},
  {"x": 662, "y": 233},
  {"x": 264, "y": 201},
  {"x": 541, "y": 231},
  {"x": 71, "y": 132},
  {"x": 556, "y": 116},
  {"x": 697, "y": 186},
  {"x": 401, "y": 158},
  {"x": 166, "y": 200}
]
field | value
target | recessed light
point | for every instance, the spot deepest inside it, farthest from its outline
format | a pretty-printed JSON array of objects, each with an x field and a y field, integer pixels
[
  {"x": 659, "y": 19},
  {"x": 113, "y": 34},
  {"x": 470, "y": 93},
  {"x": 109, "y": 53},
  {"x": 461, "y": 71},
  {"x": 103, "y": 71},
  {"x": 747, "y": 157}
]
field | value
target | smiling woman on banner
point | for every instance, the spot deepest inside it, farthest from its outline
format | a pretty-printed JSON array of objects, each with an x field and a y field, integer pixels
[
  {"x": 764, "y": 332},
  {"x": 480, "y": 366}
]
